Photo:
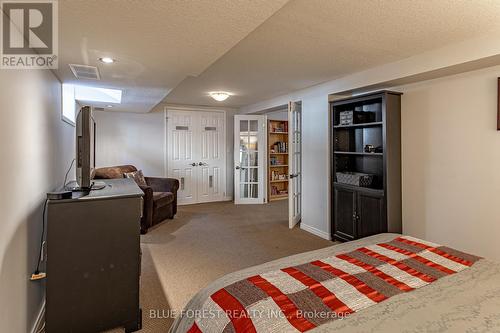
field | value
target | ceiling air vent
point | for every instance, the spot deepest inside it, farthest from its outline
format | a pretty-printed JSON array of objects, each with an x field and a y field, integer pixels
[
  {"x": 97, "y": 108},
  {"x": 85, "y": 72}
]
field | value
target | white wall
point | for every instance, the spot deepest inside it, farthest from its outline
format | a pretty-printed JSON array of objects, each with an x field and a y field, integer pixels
[
  {"x": 139, "y": 139},
  {"x": 36, "y": 148},
  {"x": 278, "y": 115},
  {"x": 451, "y": 161},
  {"x": 131, "y": 138}
]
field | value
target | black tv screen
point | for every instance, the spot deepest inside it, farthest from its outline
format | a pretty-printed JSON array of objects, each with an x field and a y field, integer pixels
[{"x": 85, "y": 150}]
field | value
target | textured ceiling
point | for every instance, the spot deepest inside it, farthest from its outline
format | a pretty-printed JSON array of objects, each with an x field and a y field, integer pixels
[
  {"x": 157, "y": 43},
  {"x": 312, "y": 41}
]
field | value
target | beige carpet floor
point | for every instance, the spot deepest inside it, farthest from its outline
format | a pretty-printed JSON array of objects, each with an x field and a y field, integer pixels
[{"x": 205, "y": 242}]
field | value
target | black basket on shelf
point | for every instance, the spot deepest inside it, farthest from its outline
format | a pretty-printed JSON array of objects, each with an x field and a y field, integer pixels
[
  {"x": 355, "y": 178},
  {"x": 355, "y": 117}
]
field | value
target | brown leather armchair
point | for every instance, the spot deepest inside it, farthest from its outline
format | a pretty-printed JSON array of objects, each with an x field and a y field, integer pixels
[{"x": 160, "y": 195}]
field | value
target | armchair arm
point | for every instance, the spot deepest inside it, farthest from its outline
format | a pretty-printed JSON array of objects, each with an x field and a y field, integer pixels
[
  {"x": 163, "y": 184},
  {"x": 147, "y": 213}
]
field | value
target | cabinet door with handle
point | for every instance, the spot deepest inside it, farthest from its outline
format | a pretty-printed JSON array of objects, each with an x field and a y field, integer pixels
[
  {"x": 345, "y": 214},
  {"x": 370, "y": 211}
]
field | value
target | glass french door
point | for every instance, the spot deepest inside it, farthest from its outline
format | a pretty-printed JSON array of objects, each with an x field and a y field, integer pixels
[
  {"x": 249, "y": 145},
  {"x": 294, "y": 163}
]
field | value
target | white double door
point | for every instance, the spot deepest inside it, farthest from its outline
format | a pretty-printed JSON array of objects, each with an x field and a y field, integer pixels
[{"x": 196, "y": 154}]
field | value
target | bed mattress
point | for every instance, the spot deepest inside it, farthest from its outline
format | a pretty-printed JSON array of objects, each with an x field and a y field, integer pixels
[{"x": 382, "y": 283}]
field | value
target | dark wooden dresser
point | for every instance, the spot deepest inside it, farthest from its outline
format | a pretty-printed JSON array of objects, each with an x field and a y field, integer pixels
[{"x": 94, "y": 260}]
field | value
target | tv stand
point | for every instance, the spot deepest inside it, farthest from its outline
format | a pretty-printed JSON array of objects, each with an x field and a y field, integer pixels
[{"x": 94, "y": 260}]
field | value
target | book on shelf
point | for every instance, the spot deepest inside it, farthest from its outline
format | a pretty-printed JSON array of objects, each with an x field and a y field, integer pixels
[
  {"x": 280, "y": 147},
  {"x": 274, "y": 161},
  {"x": 279, "y": 127},
  {"x": 275, "y": 175},
  {"x": 274, "y": 190}
]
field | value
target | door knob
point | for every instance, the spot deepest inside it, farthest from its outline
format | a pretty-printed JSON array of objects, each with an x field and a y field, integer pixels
[
  {"x": 237, "y": 167},
  {"x": 192, "y": 164},
  {"x": 201, "y": 164}
]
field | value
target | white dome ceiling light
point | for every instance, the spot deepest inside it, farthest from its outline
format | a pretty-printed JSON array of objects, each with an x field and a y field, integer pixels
[{"x": 219, "y": 96}]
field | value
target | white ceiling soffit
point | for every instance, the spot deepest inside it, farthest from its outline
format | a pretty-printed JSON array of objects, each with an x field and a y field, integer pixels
[
  {"x": 156, "y": 43},
  {"x": 308, "y": 42}
]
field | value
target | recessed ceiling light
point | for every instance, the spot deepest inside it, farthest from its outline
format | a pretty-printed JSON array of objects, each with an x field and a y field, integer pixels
[
  {"x": 109, "y": 106},
  {"x": 219, "y": 95},
  {"x": 107, "y": 60}
]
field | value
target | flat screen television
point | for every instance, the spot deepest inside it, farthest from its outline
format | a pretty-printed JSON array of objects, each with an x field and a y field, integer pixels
[{"x": 85, "y": 150}]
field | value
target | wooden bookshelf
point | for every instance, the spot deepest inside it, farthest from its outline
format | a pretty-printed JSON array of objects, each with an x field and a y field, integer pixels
[{"x": 277, "y": 159}]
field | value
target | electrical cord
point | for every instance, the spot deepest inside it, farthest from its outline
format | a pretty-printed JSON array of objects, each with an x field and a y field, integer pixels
[
  {"x": 37, "y": 270},
  {"x": 42, "y": 329},
  {"x": 67, "y": 172}
]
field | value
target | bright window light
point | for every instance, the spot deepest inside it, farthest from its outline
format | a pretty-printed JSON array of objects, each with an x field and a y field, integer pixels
[
  {"x": 68, "y": 103},
  {"x": 72, "y": 93},
  {"x": 93, "y": 94}
]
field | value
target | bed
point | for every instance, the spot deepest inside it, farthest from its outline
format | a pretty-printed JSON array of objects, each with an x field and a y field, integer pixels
[{"x": 383, "y": 283}]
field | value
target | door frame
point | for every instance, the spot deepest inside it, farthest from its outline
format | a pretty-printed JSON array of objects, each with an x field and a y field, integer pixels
[
  {"x": 262, "y": 184},
  {"x": 176, "y": 108}
]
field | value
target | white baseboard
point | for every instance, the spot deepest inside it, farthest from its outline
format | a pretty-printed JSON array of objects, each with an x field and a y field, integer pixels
[
  {"x": 40, "y": 319},
  {"x": 315, "y": 231}
]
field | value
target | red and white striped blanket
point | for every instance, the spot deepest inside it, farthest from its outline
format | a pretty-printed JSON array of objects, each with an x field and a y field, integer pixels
[{"x": 303, "y": 297}]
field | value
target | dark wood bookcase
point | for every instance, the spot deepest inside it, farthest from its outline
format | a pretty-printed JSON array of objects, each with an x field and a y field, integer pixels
[{"x": 360, "y": 211}]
